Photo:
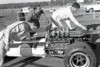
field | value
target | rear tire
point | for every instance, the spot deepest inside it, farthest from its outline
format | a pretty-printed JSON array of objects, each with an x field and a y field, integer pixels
[
  {"x": 91, "y": 10},
  {"x": 79, "y": 54},
  {"x": 87, "y": 11}
]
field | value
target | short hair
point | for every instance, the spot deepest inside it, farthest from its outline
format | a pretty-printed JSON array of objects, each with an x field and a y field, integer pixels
[
  {"x": 76, "y": 5},
  {"x": 36, "y": 22}
]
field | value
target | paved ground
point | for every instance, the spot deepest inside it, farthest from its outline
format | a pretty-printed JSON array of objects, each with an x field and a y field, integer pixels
[{"x": 31, "y": 62}]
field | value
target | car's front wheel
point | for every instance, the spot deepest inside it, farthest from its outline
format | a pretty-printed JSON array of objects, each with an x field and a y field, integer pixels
[
  {"x": 79, "y": 54},
  {"x": 79, "y": 59}
]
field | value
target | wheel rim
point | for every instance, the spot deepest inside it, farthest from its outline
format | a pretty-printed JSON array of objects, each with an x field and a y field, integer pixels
[
  {"x": 79, "y": 60},
  {"x": 91, "y": 10}
]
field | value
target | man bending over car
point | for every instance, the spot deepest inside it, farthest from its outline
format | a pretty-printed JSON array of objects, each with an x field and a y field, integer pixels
[
  {"x": 18, "y": 31},
  {"x": 64, "y": 15}
]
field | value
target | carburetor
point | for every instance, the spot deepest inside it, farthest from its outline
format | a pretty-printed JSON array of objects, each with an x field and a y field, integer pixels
[{"x": 59, "y": 36}]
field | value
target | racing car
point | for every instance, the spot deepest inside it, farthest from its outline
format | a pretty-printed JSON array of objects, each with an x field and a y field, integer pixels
[{"x": 75, "y": 47}]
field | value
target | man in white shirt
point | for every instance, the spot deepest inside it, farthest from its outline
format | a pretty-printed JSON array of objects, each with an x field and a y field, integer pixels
[{"x": 62, "y": 17}]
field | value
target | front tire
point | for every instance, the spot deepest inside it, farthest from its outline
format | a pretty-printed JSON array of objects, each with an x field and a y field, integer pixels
[{"x": 79, "y": 54}]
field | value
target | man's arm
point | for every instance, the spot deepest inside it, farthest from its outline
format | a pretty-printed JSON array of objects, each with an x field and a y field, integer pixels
[
  {"x": 7, "y": 38},
  {"x": 72, "y": 18},
  {"x": 68, "y": 23},
  {"x": 59, "y": 22}
]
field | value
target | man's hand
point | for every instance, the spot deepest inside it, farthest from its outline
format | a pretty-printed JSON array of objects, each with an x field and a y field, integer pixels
[{"x": 84, "y": 28}]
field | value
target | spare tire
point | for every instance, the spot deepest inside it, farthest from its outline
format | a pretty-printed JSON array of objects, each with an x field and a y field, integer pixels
[{"x": 79, "y": 54}]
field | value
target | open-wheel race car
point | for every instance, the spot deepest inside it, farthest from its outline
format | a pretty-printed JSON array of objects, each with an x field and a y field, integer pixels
[{"x": 75, "y": 47}]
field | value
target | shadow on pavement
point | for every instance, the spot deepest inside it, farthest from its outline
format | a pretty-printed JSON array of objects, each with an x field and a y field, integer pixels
[
  {"x": 26, "y": 61},
  {"x": 33, "y": 64},
  {"x": 8, "y": 59},
  {"x": 2, "y": 16}
]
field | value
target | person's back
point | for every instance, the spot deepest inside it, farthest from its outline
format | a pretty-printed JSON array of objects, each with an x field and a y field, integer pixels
[
  {"x": 62, "y": 12},
  {"x": 18, "y": 30}
]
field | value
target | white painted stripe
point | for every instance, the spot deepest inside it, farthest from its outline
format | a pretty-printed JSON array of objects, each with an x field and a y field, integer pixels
[
  {"x": 19, "y": 51},
  {"x": 15, "y": 52},
  {"x": 34, "y": 41},
  {"x": 39, "y": 51}
]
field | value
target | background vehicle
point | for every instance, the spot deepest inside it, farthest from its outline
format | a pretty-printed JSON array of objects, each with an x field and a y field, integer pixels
[
  {"x": 23, "y": 13},
  {"x": 92, "y": 7}
]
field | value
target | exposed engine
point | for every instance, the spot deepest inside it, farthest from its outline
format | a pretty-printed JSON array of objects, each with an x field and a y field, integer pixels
[{"x": 59, "y": 41}]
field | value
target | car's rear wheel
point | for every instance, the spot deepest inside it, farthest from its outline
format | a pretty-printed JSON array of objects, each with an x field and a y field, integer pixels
[
  {"x": 86, "y": 11},
  {"x": 79, "y": 54},
  {"x": 91, "y": 10}
]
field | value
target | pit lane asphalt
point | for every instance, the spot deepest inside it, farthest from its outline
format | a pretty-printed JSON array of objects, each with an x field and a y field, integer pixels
[{"x": 32, "y": 62}]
